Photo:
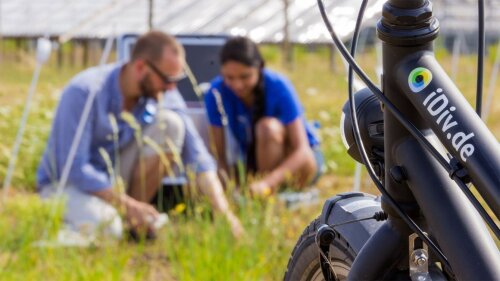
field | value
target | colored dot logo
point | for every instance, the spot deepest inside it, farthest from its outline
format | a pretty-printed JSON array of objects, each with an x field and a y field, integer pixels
[{"x": 419, "y": 78}]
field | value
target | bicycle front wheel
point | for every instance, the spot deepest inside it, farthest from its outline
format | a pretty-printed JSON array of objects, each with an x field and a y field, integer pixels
[{"x": 304, "y": 264}]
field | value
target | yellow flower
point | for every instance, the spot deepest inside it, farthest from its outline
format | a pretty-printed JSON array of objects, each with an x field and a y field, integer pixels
[
  {"x": 179, "y": 208},
  {"x": 266, "y": 191}
]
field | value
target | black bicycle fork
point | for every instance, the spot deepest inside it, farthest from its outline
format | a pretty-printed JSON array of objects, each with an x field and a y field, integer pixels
[{"x": 413, "y": 177}]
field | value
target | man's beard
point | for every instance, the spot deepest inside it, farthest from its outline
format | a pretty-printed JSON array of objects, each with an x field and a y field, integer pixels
[{"x": 146, "y": 88}]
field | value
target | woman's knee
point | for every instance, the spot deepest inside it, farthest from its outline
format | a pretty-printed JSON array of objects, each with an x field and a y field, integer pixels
[
  {"x": 312, "y": 165},
  {"x": 270, "y": 129}
]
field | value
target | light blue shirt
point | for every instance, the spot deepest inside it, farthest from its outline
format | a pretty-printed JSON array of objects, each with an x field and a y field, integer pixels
[{"x": 100, "y": 141}]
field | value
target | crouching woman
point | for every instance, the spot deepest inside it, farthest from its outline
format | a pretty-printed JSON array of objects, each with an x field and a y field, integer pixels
[{"x": 260, "y": 109}]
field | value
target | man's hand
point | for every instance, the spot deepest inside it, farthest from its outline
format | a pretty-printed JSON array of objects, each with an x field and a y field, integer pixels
[
  {"x": 236, "y": 227},
  {"x": 212, "y": 187},
  {"x": 140, "y": 215}
]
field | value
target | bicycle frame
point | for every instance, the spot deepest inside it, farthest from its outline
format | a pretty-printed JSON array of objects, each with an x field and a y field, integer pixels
[{"x": 413, "y": 177}]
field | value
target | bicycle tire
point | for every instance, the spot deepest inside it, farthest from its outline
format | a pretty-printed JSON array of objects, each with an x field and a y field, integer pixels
[{"x": 304, "y": 263}]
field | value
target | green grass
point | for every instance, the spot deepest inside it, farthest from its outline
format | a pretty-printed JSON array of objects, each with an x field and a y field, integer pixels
[
  {"x": 187, "y": 249},
  {"x": 193, "y": 246}
]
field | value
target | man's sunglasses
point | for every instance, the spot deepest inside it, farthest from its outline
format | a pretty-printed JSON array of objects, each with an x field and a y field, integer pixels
[{"x": 166, "y": 79}]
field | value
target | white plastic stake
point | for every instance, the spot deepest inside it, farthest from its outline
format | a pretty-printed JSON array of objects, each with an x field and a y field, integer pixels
[
  {"x": 79, "y": 130},
  {"x": 42, "y": 55}
]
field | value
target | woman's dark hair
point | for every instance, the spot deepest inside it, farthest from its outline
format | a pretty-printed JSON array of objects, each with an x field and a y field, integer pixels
[
  {"x": 242, "y": 50},
  {"x": 246, "y": 52}
]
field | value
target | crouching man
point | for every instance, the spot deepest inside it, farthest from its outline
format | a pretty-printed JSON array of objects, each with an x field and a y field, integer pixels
[{"x": 120, "y": 155}]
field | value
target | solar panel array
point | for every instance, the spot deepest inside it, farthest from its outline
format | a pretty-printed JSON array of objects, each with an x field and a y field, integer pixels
[{"x": 262, "y": 20}]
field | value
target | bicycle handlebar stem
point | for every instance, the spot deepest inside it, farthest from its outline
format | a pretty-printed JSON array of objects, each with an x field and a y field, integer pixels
[
  {"x": 405, "y": 26},
  {"x": 404, "y": 31}
]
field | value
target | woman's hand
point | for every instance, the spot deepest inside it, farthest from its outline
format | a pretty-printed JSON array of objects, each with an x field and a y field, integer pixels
[{"x": 260, "y": 189}]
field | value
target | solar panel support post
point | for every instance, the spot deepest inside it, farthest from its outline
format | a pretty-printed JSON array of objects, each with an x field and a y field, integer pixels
[
  {"x": 331, "y": 52},
  {"x": 287, "y": 47},
  {"x": 60, "y": 56},
  {"x": 72, "y": 53},
  {"x": 1, "y": 32},
  {"x": 85, "y": 57},
  {"x": 150, "y": 14}
]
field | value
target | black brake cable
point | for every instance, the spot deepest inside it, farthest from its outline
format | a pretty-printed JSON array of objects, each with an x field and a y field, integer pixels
[
  {"x": 354, "y": 43},
  {"x": 364, "y": 155},
  {"x": 408, "y": 125},
  {"x": 480, "y": 57},
  {"x": 479, "y": 93},
  {"x": 479, "y": 106}
]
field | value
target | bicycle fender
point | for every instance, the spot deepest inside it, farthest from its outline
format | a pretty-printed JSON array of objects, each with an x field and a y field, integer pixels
[{"x": 350, "y": 206}]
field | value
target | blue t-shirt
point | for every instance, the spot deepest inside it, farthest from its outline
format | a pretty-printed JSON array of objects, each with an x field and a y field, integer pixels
[{"x": 281, "y": 102}]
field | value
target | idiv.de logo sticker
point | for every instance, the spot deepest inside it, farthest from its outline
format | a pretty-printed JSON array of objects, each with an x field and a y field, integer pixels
[{"x": 419, "y": 78}]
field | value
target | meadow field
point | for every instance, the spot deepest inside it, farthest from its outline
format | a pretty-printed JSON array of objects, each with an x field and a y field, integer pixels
[{"x": 194, "y": 245}]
